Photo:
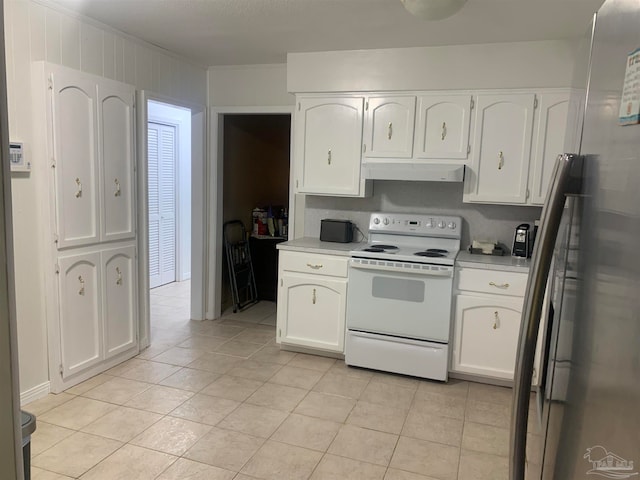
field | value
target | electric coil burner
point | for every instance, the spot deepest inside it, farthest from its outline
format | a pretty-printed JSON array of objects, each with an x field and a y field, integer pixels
[{"x": 399, "y": 295}]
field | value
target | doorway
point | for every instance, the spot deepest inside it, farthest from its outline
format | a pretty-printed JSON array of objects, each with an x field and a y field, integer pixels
[
  {"x": 169, "y": 212},
  {"x": 256, "y": 158},
  {"x": 178, "y": 296}
]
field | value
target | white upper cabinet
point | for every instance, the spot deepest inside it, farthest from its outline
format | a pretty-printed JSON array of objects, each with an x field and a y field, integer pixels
[
  {"x": 442, "y": 129},
  {"x": 501, "y": 149},
  {"x": 94, "y": 152},
  {"x": 549, "y": 141},
  {"x": 327, "y": 146},
  {"x": 115, "y": 123},
  {"x": 74, "y": 143},
  {"x": 388, "y": 128}
]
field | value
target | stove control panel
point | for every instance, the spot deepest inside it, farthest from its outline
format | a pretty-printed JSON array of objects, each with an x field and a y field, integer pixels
[{"x": 409, "y": 224}]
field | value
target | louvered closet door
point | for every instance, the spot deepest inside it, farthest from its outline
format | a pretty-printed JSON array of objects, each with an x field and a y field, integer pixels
[
  {"x": 74, "y": 136},
  {"x": 162, "y": 204}
]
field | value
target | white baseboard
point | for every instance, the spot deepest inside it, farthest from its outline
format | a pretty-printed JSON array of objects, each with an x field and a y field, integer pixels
[{"x": 35, "y": 393}]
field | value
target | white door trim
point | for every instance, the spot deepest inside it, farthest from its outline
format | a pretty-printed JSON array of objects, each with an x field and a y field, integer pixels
[
  {"x": 215, "y": 182},
  {"x": 199, "y": 205}
]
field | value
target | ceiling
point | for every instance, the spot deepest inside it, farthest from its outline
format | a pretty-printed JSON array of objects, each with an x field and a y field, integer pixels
[{"x": 238, "y": 32}]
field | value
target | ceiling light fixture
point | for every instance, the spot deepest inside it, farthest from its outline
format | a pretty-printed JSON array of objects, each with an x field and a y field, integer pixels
[{"x": 433, "y": 9}]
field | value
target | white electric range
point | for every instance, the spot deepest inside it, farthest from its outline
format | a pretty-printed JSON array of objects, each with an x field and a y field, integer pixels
[{"x": 400, "y": 294}]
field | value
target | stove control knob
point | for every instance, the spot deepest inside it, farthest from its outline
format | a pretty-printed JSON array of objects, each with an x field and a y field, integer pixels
[
  {"x": 441, "y": 224},
  {"x": 452, "y": 225},
  {"x": 431, "y": 223},
  {"x": 376, "y": 220},
  {"x": 386, "y": 221}
]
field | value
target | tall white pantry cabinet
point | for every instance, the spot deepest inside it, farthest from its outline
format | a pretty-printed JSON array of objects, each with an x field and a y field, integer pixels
[{"x": 86, "y": 129}]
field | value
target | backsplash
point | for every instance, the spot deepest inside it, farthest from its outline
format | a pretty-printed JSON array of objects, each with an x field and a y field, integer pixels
[{"x": 480, "y": 222}]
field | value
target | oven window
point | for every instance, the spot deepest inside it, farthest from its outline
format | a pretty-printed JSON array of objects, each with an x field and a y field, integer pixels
[{"x": 398, "y": 289}]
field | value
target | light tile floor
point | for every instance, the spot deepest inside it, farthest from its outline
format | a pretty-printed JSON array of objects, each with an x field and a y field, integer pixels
[{"x": 220, "y": 400}]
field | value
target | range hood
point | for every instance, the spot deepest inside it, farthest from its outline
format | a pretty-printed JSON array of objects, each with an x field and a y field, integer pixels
[{"x": 424, "y": 172}]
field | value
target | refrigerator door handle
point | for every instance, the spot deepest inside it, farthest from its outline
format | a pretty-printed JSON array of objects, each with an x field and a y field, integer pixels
[{"x": 566, "y": 180}]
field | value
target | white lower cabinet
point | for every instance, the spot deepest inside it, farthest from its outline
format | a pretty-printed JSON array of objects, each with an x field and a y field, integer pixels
[
  {"x": 312, "y": 306},
  {"x": 486, "y": 335},
  {"x": 486, "y": 325},
  {"x": 97, "y": 309},
  {"x": 80, "y": 291},
  {"x": 119, "y": 273}
]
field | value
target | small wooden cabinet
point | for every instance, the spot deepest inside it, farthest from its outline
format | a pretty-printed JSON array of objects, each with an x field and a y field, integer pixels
[
  {"x": 389, "y": 125},
  {"x": 442, "y": 127},
  {"x": 516, "y": 141},
  {"x": 98, "y": 307},
  {"x": 501, "y": 148},
  {"x": 487, "y": 317},
  {"x": 312, "y": 294},
  {"x": 548, "y": 142},
  {"x": 486, "y": 335},
  {"x": 328, "y": 146}
]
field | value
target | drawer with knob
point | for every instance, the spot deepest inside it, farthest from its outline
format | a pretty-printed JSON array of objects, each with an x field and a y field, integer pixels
[
  {"x": 314, "y": 263},
  {"x": 494, "y": 282}
]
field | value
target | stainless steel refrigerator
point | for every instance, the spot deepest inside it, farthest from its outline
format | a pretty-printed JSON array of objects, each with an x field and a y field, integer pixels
[{"x": 584, "y": 422}]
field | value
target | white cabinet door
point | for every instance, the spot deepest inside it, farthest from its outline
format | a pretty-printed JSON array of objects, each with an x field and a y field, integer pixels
[
  {"x": 442, "y": 129},
  {"x": 120, "y": 318},
  {"x": 501, "y": 149},
  {"x": 162, "y": 204},
  {"x": 74, "y": 140},
  {"x": 548, "y": 142},
  {"x": 388, "y": 128},
  {"x": 80, "y": 312},
  {"x": 328, "y": 143},
  {"x": 486, "y": 335},
  {"x": 312, "y": 311},
  {"x": 115, "y": 126}
]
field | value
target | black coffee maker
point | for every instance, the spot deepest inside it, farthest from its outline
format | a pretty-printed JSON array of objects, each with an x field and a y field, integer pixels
[{"x": 522, "y": 241}]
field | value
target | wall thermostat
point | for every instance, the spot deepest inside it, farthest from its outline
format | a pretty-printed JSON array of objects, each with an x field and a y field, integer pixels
[{"x": 16, "y": 158}]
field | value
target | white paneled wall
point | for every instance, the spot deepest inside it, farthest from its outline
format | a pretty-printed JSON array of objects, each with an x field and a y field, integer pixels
[{"x": 33, "y": 32}]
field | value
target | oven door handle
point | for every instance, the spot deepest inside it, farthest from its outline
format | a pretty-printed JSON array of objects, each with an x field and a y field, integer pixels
[{"x": 424, "y": 270}]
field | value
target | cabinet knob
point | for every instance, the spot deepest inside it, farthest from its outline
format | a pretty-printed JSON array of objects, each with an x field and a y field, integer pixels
[
  {"x": 444, "y": 130},
  {"x": 117, "y": 192},
  {"x": 119, "y": 276},
  {"x": 496, "y": 320},
  {"x": 313, "y": 296},
  {"x": 390, "y": 130},
  {"x": 500, "y": 160},
  {"x": 329, "y": 157},
  {"x": 79, "y": 188}
]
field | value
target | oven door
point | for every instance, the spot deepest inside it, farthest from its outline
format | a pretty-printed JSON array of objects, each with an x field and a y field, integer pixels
[{"x": 400, "y": 302}]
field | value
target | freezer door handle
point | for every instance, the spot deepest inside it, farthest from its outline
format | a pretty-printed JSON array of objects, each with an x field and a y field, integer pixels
[{"x": 566, "y": 180}]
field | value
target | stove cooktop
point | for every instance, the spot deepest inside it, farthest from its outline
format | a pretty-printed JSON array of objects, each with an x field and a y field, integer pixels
[
  {"x": 407, "y": 253},
  {"x": 426, "y": 239}
]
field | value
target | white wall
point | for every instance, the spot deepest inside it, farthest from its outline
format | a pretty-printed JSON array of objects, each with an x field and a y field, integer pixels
[
  {"x": 36, "y": 32},
  {"x": 181, "y": 118},
  {"x": 499, "y": 65},
  {"x": 249, "y": 85},
  {"x": 494, "y": 223}
]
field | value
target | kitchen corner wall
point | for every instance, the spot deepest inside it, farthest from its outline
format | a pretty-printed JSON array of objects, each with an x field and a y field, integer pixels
[
  {"x": 480, "y": 222},
  {"x": 35, "y": 32}
]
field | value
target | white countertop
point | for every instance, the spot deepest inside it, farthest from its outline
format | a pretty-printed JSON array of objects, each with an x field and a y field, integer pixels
[
  {"x": 493, "y": 262},
  {"x": 314, "y": 245}
]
